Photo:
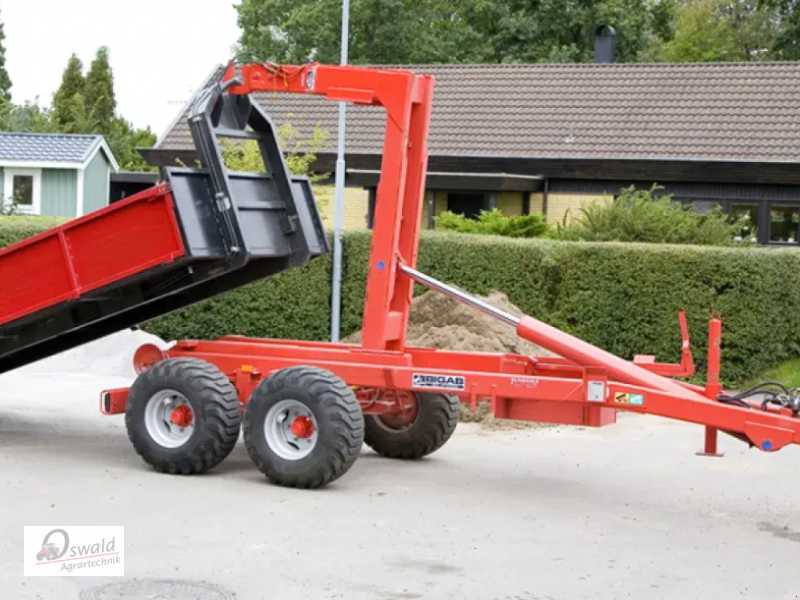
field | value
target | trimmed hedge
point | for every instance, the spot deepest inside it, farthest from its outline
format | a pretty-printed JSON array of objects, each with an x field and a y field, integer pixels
[
  {"x": 621, "y": 297},
  {"x": 14, "y": 229}
]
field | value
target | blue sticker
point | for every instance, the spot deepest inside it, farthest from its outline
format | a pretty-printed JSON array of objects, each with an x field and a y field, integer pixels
[
  {"x": 381, "y": 266},
  {"x": 767, "y": 445},
  {"x": 636, "y": 399}
]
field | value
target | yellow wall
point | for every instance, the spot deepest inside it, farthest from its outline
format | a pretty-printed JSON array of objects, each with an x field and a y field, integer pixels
[
  {"x": 559, "y": 204},
  {"x": 441, "y": 202},
  {"x": 356, "y": 206},
  {"x": 510, "y": 203},
  {"x": 537, "y": 204}
]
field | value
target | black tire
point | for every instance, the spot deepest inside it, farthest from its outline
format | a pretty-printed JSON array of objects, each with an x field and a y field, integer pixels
[
  {"x": 437, "y": 418},
  {"x": 339, "y": 427},
  {"x": 39, "y": 556},
  {"x": 217, "y": 415}
]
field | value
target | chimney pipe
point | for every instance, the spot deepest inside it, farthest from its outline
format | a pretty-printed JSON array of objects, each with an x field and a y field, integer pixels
[{"x": 605, "y": 44}]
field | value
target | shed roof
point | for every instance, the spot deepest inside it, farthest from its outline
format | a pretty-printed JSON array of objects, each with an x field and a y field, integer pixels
[
  {"x": 50, "y": 148},
  {"x": 703, "y": 111}
]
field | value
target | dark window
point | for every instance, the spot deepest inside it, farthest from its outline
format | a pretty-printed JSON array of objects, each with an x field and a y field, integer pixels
[
  {"x": 783, "y": 223},
  {"x": 469, "y": 205},
  {"x": 706, "y": 207},
  {"x": 748, "y": 215},
  {"x": 23, "y": 190}
]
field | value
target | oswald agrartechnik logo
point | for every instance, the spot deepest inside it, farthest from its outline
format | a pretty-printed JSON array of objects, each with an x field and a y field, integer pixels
[{"x": 77, "y": 550}]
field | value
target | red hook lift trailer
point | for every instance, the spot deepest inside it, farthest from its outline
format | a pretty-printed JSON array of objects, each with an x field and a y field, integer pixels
[{"x": 306, "y": 408}]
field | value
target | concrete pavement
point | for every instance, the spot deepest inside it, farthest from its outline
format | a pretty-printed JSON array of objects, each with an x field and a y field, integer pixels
[{"x": 557, "y": 514}]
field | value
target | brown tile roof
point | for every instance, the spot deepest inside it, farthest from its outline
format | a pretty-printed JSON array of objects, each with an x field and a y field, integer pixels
[{"x": 742, "y": 112}]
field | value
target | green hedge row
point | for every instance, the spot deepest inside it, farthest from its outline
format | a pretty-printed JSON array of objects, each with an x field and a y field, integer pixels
[
  {"x": 14, "y": 229},
  {"x": 621, "y": 297}
]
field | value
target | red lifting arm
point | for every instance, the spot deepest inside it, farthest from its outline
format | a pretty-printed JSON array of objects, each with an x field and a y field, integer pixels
[{"x": 407, "y": 99}]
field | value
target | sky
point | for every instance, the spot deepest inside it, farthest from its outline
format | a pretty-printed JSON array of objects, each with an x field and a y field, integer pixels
[{"x": 161, "y": 50}]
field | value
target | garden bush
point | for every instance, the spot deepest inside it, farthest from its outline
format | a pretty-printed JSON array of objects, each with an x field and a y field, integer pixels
[
  {"x": 643, "y": 216},
  {"x": 621, "y": 297},
  {"x": 624, "y": 298},
  {"x": 16, "y": 228},
  {"x": 494, "y": 222}
]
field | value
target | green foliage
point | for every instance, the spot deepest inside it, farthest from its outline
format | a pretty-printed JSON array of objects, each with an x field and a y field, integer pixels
[
  {"x": 101, "y": 101},
  {"x": 382, "y": 31},
  {"x": 300, "y": 152},
  {"x": 621, "y": 297},
  {"x": 28, "y": 117},
  {"x": 494, "y": 222},
  {"x": 643, "y": 216},
  {"x": 787, "y": 373},
  {"x": 69, "y": 108},
  {"x": 441, "y": 31},
  {"x": 17, "y": 228},
  {"x": 124, "y": 139},
  {"x": 724, "y": 30},
  {"x": 5, "y": 80},
  {"x": 484, "y": 31},
  {"x": 787, "y": 44},
  {"x": 84, "y": 105}
]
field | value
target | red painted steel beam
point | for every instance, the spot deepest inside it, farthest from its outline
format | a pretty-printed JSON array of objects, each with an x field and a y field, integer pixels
[{"x": 585, "y": 354}]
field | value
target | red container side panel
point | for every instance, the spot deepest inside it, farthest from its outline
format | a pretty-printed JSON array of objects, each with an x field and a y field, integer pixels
[
  {"x": 88, "y": 253},
  {"x": 34, "y": 277},
  {"x": 133, "y": 239}
]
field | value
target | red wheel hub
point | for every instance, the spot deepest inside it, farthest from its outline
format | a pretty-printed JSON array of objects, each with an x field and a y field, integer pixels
[
  {"x": 182, "y": 416},
  {"x": 407, "y": 408},
  {"x": 302, "y": 427}
]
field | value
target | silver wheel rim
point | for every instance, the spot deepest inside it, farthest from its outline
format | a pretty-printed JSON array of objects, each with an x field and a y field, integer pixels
[
  {"x": 278, "y": 430},
  {"x": 158, "y": 419}
]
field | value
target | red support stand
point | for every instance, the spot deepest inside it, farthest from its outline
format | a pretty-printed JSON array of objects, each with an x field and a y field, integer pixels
[
  {"x": 710, "y": 448},
  {"x": 713, "y": 387}
]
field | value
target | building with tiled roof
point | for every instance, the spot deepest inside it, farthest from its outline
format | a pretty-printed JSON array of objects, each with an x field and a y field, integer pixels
[
  {"x": 55, "y": 174},
  {"x": 546, "y": 138}
]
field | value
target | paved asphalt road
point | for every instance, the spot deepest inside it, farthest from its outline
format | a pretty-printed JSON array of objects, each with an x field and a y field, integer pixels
[{"x": 561, "y": 513}]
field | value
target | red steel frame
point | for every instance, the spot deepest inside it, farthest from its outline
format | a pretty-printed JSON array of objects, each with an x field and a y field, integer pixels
[{"x": 585, "y": 385}]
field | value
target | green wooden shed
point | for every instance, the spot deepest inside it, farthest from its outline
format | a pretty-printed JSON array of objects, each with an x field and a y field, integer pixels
[{"x": 57, "y": 175}]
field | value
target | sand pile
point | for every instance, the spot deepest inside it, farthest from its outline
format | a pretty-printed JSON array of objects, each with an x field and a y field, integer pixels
[{"x": 438, "y": 322}]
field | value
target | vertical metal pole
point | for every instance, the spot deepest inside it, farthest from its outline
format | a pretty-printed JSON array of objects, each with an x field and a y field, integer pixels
[{"x": 338, "y": 214}]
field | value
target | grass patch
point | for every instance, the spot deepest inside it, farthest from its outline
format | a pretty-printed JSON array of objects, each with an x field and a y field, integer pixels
[{"x": 787, "y": 373}]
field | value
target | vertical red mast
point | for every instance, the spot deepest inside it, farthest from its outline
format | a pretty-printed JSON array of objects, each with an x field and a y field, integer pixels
[{"x": 408, "y": 100}]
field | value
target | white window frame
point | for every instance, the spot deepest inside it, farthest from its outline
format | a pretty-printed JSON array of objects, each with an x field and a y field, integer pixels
[{"x": 8, "y": 189}]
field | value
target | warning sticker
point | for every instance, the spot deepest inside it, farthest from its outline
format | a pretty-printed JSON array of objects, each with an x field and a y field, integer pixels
[
  {"x": 632, "y": 399},
  {"x": 443, "y": 382}
]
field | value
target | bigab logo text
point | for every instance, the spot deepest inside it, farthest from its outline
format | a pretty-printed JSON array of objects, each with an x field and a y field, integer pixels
[{"x": 65, "y": 550}]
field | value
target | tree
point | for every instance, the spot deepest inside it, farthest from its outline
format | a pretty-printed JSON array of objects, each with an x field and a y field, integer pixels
[
  {"x": 563, "y": 30},
  {"x": 724, "y": 30},
  {"x": 787, "y": 42},
  {"x": 646, "y": 216},
  {"x": 69, "y": 108},
  {"x": 101, "y": 103},
  {"x": 702, "y": 34},
  {"x": 445, "y": 31},
  {"x": 5, "y": 80},
  {"x": 123, "y": 140},
  {"x": 382, "y": 31}
]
